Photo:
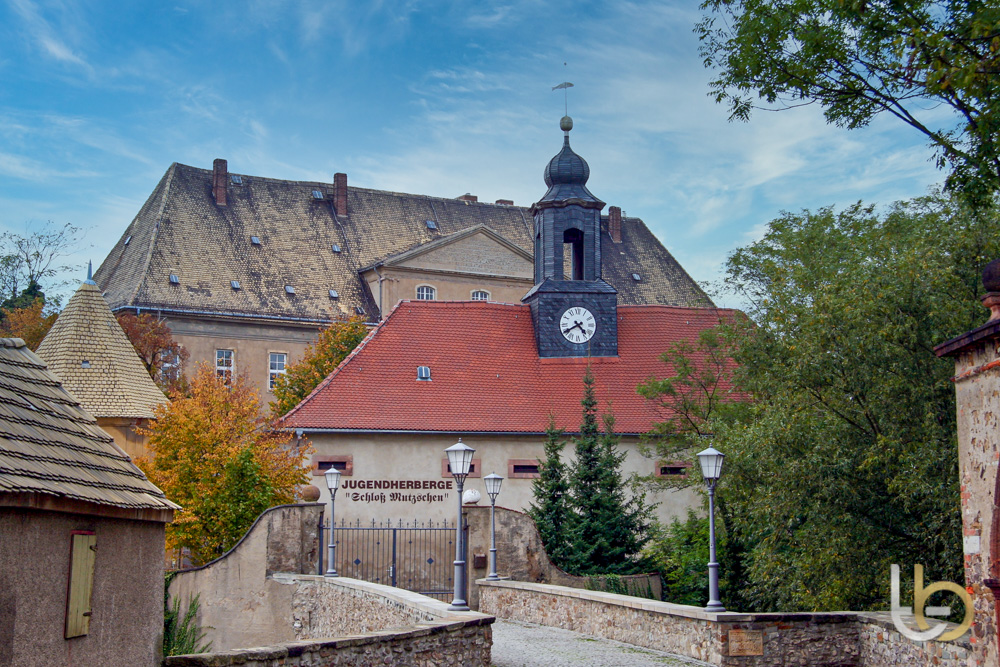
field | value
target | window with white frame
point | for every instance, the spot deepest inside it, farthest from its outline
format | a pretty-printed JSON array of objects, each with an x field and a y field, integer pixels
[
  {"x": 426, "y": 293},
  {"x": 480, "y": 295},
  {"x": 276, "y": 367},
  {"x": 224, "y": 364}
]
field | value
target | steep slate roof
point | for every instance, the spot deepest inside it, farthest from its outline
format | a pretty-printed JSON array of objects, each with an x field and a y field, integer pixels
[
  {"x": 486, "y": 375},
  {"x": 180, "y": 230},
  {"x": 51, "y": 448},
  {"x": 116, "y": 383}
]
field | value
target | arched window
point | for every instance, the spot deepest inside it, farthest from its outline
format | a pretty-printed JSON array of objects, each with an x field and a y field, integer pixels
[
  {"x": 426, "y": 293},
  {"x": 480, "y": 295}
]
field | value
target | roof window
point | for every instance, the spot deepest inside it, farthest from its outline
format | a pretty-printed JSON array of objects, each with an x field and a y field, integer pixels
[
  {"x": 174, "y": 280},
  {"x": 423, "y": 372},
  {"x": 431, "y": 224},
  {"x": 334, "y": 294},
  {"x": 336, "y": 248},
  {"x": 236, "y": 179},
  {"x": 255, "y": 240},
  {"x": 359, "y": 310},
  {"x": 127, "y": 239},
  {"x": 318, "y": 195},
  {"x": 636, "y": 277},
  {"x": 289, "y": 289},
  {"x": 84, "y": 364},
  {"x": 235, "y": 284}
]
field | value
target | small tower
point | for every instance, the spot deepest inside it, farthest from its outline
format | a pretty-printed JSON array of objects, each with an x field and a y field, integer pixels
[{"x": 573, "y": 310}]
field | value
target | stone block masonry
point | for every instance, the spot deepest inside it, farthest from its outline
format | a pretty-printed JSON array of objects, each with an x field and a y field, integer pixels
[{"x": 835, "y": 639}]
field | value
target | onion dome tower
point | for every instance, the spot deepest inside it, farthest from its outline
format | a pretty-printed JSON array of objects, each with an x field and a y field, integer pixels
[{"x": 573, "y": 310}]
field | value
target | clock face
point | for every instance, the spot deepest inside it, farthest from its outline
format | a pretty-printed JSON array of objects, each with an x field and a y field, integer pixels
[{"x": 577, "y": 324}]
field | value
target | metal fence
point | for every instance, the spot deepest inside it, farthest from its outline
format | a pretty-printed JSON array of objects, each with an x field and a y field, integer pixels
[{"x": 418, "y": 556}]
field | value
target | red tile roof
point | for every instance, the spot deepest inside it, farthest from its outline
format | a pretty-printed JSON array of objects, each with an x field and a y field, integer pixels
[{"x": 486, "y": 375}]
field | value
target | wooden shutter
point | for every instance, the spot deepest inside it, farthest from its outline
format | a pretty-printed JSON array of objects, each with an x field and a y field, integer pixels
[{"x": 81, "y": 582}]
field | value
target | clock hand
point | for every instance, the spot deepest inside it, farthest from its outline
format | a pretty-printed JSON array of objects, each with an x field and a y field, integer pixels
[{"x": 575, "y": 325}]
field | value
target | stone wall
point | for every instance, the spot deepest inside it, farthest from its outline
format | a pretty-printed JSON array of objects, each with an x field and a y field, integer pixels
[
  {"x": 838, "y": 639},
  {"x": 521, "y": 556},
  {"x": 237, "y": 607}
]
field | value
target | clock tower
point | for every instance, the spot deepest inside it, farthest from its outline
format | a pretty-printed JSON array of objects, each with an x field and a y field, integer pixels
[{"x": 574, "y": 312}]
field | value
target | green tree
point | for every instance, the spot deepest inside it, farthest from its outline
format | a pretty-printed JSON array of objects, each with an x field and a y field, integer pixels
[
  {"x": 846, "y": 460},
  {"x": 221, "y": 461},
  {"x": 29, "y": 261},
  {"x": 610, "y": 524},
  {"x": 551, "y": 509},
  {"x": 320, "y": 359},
  {"x": 679, "y": 551},
  {"x": 862, "y": 58}
]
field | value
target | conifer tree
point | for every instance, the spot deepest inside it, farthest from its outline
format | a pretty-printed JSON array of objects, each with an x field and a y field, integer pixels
[
  {"x": 551, "y": 510},
  {"x": 609, "y": 528}
]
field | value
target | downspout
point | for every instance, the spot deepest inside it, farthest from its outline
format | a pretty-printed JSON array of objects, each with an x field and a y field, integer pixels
[{"x": 380, "y": 279}]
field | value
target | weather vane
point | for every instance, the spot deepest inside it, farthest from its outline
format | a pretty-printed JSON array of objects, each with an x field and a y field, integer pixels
[{"x": 564, "y": 86}]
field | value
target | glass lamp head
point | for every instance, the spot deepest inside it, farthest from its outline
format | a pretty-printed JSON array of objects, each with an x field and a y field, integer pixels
[
  {"x": 493, "y": 482},
  {"x": 460, "y": 458},
  {"x": 332, "y": 479},
  {"x": 711, "y": 463}
]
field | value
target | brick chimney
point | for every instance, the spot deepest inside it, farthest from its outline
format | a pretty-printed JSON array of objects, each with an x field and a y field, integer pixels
[
  {"x": 505, "y": 202},
  {"x": 340, "y": 194},
  {"x": 468, "y": 197},
  {"x": 615, "y": 223},
  {"x": 220, "y": 174}
]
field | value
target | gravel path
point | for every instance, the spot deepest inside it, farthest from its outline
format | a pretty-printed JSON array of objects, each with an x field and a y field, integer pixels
[{"x": 522, "y": 644}]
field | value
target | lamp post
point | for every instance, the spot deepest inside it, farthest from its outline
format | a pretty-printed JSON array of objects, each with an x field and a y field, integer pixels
[
  {"x": 493, "y": 482},
  {"x": 459, "y": 460},
  {"x": 711, "y": 470},
  {"x": 333, "y": 483}
]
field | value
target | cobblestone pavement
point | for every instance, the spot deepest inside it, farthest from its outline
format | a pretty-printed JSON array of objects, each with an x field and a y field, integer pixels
[{"x": 522, "y": 644}]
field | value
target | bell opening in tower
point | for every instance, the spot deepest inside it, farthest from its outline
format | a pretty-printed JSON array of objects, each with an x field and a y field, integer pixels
[{"x": 573, "y": 243}]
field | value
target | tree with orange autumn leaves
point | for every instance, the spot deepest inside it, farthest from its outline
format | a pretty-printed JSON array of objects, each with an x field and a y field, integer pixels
[
  {"x": 29, "y": 323},
  {"x": 221, "y": 461}
]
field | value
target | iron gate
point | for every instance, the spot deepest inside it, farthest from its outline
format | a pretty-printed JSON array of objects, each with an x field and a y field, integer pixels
[{"x": 417, "y": 556}]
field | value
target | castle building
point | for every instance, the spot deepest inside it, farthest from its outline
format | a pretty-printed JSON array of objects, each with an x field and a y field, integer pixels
[
  {"x": 494, "y": 374},
  {"x": 246, "y": 269}
]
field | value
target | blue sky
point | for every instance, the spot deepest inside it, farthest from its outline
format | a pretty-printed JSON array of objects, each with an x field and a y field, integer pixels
[{"x": 97, "y": 99}]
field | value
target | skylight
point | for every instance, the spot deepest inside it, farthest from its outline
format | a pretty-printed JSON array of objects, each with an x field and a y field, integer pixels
[
  {"x": 636, "y": 277},
  {"x": 336, "y": 248},
  {"x": 174, "y": 280},
  {"x": 236, "y": 179},
  {"x": 84, "y": 364},
  {"x": 317, "y": 194},
  {"x": 333, "y": 294},
  {"x": 235, "y": 284},
  {"x": 423, "y": 372},
  {"x": 255, "y": 240},
  {"x": 431, "y": 224},
  {"x": 289, "y": 289}
]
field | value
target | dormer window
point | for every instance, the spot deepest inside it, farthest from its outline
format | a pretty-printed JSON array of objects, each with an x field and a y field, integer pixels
[
  {"x": 255, "y": 240},
  {"x": 336, "y": 248},
  {"x": 431, "y": 224},
  {"x": 317, "y": 195},
  {"x": 334, "y": 294},
  {"x": 423, "y": 372},
  {"x": 480, "y": 295},
  {"x": 636, "y": 277},
  {"x": 84, "y": 364},
  {"x": 128, "y": 239},
  {"x": 426, "y": 293},
  {"x": 174, "y": 280},
  {"x": 236, "y": 179},
  {"x": 235, "y": 284},
  {"x": 289, "y": 289},
  {"x": 359, "y": 310}
]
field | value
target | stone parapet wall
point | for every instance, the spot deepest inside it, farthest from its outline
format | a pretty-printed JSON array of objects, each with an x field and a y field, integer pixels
[
  {"x": 836, "y": 639},
  {"x": 448, "y": 644}
]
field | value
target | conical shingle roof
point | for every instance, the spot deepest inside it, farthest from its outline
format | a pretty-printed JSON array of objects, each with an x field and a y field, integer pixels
[{"x": 88, "y": 351}]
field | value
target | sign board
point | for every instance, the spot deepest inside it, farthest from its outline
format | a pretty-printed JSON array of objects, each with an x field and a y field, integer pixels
[{"x": 746, "y": 642}]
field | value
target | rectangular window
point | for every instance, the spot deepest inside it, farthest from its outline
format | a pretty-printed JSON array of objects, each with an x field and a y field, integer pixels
[
  {"x": 224, "y": 364},
  {"x": 343, "y": 463},
  {"x": 81, "y": 582},
  {"x": 672, "y": 469},
  {"x": 276, "y": 367},
  {"x": 475, "y": 470},
  {"x": 522, "y": 468}
]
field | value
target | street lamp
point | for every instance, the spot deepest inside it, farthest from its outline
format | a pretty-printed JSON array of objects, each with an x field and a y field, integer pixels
[
  {"x": 493, "y": 482},
  {"x": 332, "y": 483},
  {"x": 459, "y": 461},
  {"x": 711, "y": 470}
]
